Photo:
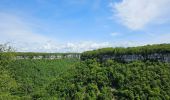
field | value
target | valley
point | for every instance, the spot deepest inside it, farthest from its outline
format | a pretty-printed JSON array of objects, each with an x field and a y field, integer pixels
[{"x": 103, "y": 74}]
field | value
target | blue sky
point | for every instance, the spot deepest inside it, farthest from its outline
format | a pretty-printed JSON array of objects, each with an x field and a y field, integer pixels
[{"x": 79, "y": 25}]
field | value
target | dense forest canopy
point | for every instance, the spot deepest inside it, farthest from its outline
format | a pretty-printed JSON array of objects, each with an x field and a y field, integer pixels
[
  {"x": 87, "y": 78},
  {"x": 108, "y": 80}
]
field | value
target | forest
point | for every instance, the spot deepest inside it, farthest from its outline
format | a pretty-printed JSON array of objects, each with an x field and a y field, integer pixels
[
  {"x": 87, "y": 78},
  {"x": 118, "y": 52}
]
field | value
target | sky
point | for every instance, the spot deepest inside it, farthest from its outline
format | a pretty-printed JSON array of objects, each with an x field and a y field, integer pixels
[{"x": 81, "y": 25}]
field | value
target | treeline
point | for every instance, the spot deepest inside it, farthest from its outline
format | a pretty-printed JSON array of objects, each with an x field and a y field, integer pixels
[
  {"x": 118, "y": 51},
  {"x": 31, "y": 55}
]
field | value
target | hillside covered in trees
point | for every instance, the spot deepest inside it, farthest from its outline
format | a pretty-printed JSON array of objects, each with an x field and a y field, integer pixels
[
  {"x": 108, "y": 80},
  {"x": 91, "y": 78},
  {"x": 158, "y": 52}
]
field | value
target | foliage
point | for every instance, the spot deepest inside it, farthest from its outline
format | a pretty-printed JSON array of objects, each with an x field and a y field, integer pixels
[
  {"x": 6, "y": 54},
  {"x": 112, "y": 80},
  {"x": 7, "y": 82},
  {"x": 6, "y": 48},
  {"x": 89, "y": 79},
  {"x": 34, "y": 75},
  {"x": 140, "y": 50}
]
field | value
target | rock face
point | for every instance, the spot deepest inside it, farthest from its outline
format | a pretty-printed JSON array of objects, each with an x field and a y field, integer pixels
[
  {"x": 134, "y": 57},
  {"x": 50, "y": 56},
  {"x": 124, "y": 57}
]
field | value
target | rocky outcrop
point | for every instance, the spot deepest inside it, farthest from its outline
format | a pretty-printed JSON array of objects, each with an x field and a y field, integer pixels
[
  {"x": 50, "y": 56},
  {"x": 124, "y": 57},
  {"x": 134, "y": 57}
]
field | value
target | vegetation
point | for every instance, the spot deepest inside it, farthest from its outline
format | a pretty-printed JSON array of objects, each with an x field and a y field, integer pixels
[
  {"x": 26, "y": 79},
  {"x": 7, "y": 82},
  {"x": 30, "y": 77},
  {"x": 140, "y": 50},
  {"x": 34, "y": 75},
  {"x": 89, "y": 79},
  {"x": 107, "y": 80}
]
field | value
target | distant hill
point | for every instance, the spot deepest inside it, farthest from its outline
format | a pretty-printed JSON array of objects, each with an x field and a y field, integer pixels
[{"x": 158, "y": 52}]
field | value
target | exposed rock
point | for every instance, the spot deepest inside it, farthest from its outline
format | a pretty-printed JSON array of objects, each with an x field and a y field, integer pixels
[
  {"x": 50, "y": 56},
  {"x": 133, "y": 57}
]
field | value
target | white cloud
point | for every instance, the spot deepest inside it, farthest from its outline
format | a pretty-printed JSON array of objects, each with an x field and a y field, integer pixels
[
  {"x": 13, "y": 28},
  {"x": 70, "y": 46},
  {"x": 21, "y": 34},
  {"x": 51, "y": 46},
  {"x": 137, "y": 14},
  {"x": 114, "y": 34},
  {"x": 157, "y": 38},
  {"x": 60, "y": 47},
  {"x": 24, "y": 38}
]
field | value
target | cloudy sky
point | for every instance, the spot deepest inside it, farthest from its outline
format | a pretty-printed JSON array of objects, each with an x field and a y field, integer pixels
[{"x": 79, "y": 25}]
